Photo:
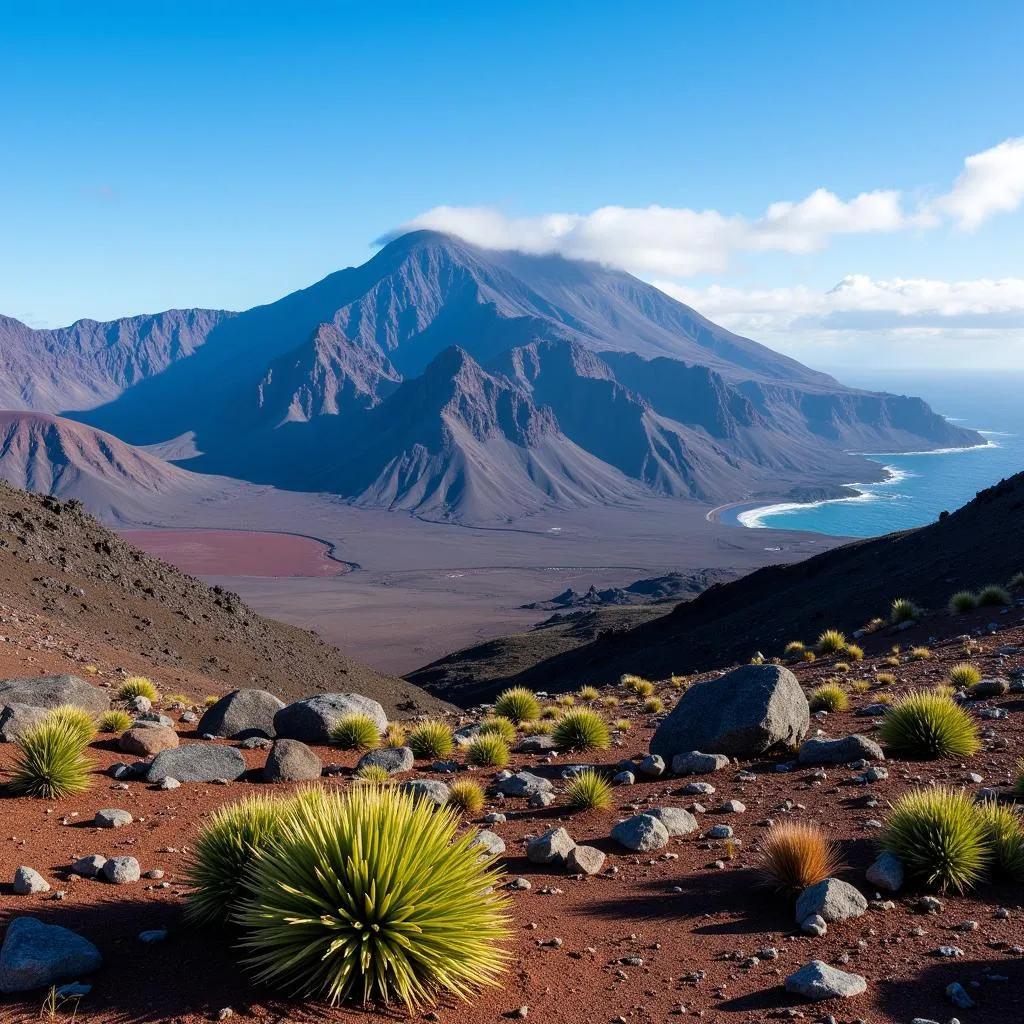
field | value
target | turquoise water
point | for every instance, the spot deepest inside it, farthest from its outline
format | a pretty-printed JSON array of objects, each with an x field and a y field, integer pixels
[{"x": 922, "y": 485}]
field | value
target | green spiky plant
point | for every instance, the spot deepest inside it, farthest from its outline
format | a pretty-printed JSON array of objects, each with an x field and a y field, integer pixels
[
  {"x": 994, "y": 595},
  {"x": 376, "y": 774},
  {"x": 355, "y": 732},
  {"x": 517, "y": 704},
  {"x": 929, "y": 725},
  {"x": 963, "y": 674},
  {"x": 589, "y": 789},
  {"x": 829, "y": 697},
  {"x": 229, "y": 840},
  {"x": 903, "y": 610},
  {"x": 430, "y": 740},
  {"x": 488, "y": 750},
  {"x": 372, "y": 896},
  {"x": 467, "y": 796},
  {"x": 497, "y": 725},
  {"x": 115, "y": 722},
  {"x": 582, "y": 730},
  {"x": 395, "y": 735},
  {"x": 137, "y": 686},
  {"x": 962, "y": 602},
  {"x": 80, "y": 721},
  {"x": 1004, "y": 830},
  {"x": 589, "y": 693},
  {"x": 940, "y": 837},
  {"x": 51, "y": 761},
  {"x": 832, "y": 641}
]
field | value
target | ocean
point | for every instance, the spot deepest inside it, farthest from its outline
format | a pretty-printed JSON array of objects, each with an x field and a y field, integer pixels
[{"x": 921, "y": 485}]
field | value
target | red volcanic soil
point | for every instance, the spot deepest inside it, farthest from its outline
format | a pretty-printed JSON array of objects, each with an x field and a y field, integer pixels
[{"x": 238, "y": 552}]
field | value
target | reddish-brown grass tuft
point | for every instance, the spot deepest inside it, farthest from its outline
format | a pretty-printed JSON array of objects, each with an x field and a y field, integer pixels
[{"x": 796, "y": 854}]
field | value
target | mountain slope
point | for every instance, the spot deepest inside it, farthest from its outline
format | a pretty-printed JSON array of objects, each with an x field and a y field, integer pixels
[{"x": 843, "y": 588}]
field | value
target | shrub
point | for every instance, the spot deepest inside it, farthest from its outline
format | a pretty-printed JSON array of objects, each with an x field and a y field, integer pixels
[
  {"x": 589, "y": 693},
  {"x": 622, "y": 724},
  {"x": 963, "y": 601},
  {"x": 370, "y": 896},
  {"x": 653, "y": 705},
  {"x": 517, "y": 704},
  {"x": 940, "y": 836},
  {"x": 831, "y": 642},
  {"x": 589, "y": 789},
  {"x": 137, "y": 686},
  {"x": 582, "y": 730},
  {"x": 678, "y": 682},
  {"x": 964, "y": 674},
  {"x": 854, "y": 652},
  {"x": 873, "y": 625},
  {"x": 373, "y": 774},
  {"x": 115, "y": 721},
  {"x": 51, "y": 761},
  {"x": 488, "y": 750},
  {"x": 466, "y": 796},
  {"x": 891, "y": 661},
  {"x": 217, "y": 869},
  {"x": 860, "y": 686},
  {"x": 78, "y": 719},
  {"x": 829, "y": 697},
  {"x": 796, "y": 854},
  {"x": 498, "y": 726},
  {"x": 395, "y": 735},
  {"x": 355, "y": 732},
  {"x": 928, "y": 725},
  {"x": 994, "y": 594},
  {"x": 793, "y": 650},
  {"x": 430, "y": 740},
  {"x": 919, "y": 654},
  {"x": 1005, "y": 836},
  {"x": 903, "y": 610}
]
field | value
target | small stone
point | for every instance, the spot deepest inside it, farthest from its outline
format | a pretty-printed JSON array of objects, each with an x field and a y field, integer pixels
[
  {"x": 652, "y": 766},
  {"x": 734, "y": 807},
  {"x": 552, "y": 847},
  {"x": 642, "y": 833},
  {"x": 112, "y": 818},
  {"x": 813, "y": 924},
  {"x": 122, "y": 870},
  {"x": 171, "y": 783},
  {"x": 624, "y": 779},
  {"x": 541, "y": 800},
  {"x": 719, "y": 832},
  {"x": 958, "y": 996},
  {"x": 585, "y": 860},
  {"x": 89, "y": 867},
  {"x": 886, "y": 872},
  {"x": 698, "y": 789},
  {"x": 817, "y": 980},
  {"x": 153, "y": 935},
  {"x": 693, "y": 762}
]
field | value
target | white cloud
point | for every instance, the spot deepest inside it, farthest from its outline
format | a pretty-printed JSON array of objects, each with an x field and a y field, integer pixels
[{"x": 680, "y": 242}]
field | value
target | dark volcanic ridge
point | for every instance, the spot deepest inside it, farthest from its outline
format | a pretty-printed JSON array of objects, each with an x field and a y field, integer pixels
[
  {"x": 673, "y": 586},
  {"x": 464, "y": 383}
]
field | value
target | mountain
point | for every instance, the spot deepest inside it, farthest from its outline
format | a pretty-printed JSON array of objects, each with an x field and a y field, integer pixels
[
  {"x": 844, "y": 588},
  {"x": 570, "y": 383}
]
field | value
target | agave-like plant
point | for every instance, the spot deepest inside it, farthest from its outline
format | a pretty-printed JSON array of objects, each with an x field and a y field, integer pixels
[
  {"x": 78, "y": 719},
  {"x": 589, "y": 788},
  {"x": 355, "y": 732},
  {"x": 1004, "y": 829},
  {"x": 582, "y": 730},
  {"x": 488, "y": 750},
  {"x": 940, "y": 836},
  {"x": 115, "y": 721},
  {"x": 517, "y": 704},
  {"x": 498, "y": 725},
  {"x": 928, "y": 725},
  {"x": 796, "y": 854},
  {"x": 467, "y": 796},
  {"x": 51, "y": 761},
  {"x": 829, "y": 697},
  {"x": 963, "y": 674},
  {"x": 430, "y": 740},
  {"x": 370, "y": 895},
  {"x": 137, "y": 686},
  {"x": 831, "y": 641}
]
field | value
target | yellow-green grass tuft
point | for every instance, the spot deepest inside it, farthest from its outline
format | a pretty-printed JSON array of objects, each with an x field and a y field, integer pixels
[
  {"x": 610, "y": 701},
  {"x": 355, "y": 732},
  {"x": 589, "y": 693},
  {"x": 885, "y": 678},
  {"x": 940, "y": 837},
  {"x": 963, "y": 601},
  {"x": 374, "y": 774},
  {"x": 496, "y": 725},
  {"x": 963, "y": 674},
  {"x": 860, "y": 686},
  {"x": 794, "y": 650},
  {"x": 854, "y": 652},
  {"x": 51, "y": 761},
  {"x": 467, "y": 796},
  {"x": 1004, "y": 830},
  {"x": 1018, "y": 784},
  {"x": 209, "y": 700},
  {"x": 622, "y": 724},
  {"x": 831, "y": 642},
  {"x": 829, "y": 697},
  {"x": 370, "y": 896},
  {"x": 1016, "y": 581},
  {"x": 430, "y": 740},
  {"x": 994, "y": 595},
  {"x": 928, "y": 725},
  {"x": 488, "y": 750},
  {"x": 550, "y": 711},
  {"x": 919, "y": 654},
  {"x": 115, "y": 722},
  {"x": 589, "y": 789},
  {"x": 653, "y": 705},
  {"x": 517, "y": 704},
  {"x": 796, "y": 854},
  {"x": 78, "y": 719},
  {"x": 395, "y": 735},
  {"x": 903, "y": 610},
  {"x": 640, "y": 686},
  {"x": 137, "y": 686},
  {"x": 582, "y": 730},
  {"x": 809, "y": 656},
  {"x": 177, "y": 698}
]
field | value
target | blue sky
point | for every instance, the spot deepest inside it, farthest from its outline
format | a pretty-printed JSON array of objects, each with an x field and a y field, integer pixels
[{"x": 224, "y": 154}]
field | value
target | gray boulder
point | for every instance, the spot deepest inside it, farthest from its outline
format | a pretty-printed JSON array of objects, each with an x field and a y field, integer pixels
[
  {"x": 121, "y": 870},
  {"x": 994, "y": 687},
  {"x": 90, "y": 866},
  {"x": 832, "y": 900},
  {"x": 427, "y": 789},
  {"x": 840, "y": 751},
  {"x": 17, "y": 719},
  {"x": 393, "y": 759},
  {"x": 585, "y": 860},
  {"x": 677, "y": 820},
  {"x": 490, "y": 843},
  {"x": 291, "y": 761},
  {"x": 197, "y": 762},
  {"x": 28, "y": 881},
  {"x": 310, "y": 720},
  {"x": 742, "y": 714},
  {"x": 53, "y": 691},
  {"x": 642, "y": 833},
  {"x": 36, "y": 955},
  {"x": 112, "y": 817},
  {"x": 652, "y": 766},
  {"x": 464, "y": 736},
  {"x": 536, "y": 745},
  {"x": 817, "y": 980},
  {"x": 524, "y": 784},
  {"x": 552, "y": 847},
  {"x": 242, "y": 714},
  {"x": 693, "y": 762},
  {"x": 146, "y": 739}
]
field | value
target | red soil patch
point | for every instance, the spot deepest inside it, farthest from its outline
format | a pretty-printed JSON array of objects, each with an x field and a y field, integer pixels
[{"x": 238, "y": 552}]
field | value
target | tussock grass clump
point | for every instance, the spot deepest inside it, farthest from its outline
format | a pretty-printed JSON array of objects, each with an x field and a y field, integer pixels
[
  {"x": 903, "y": 610},
  {"x": 962, "y": 602},
  {"x": 860, "y": 686},
  {"x": 542, "y": 727},
  {"x": 832, "y": 641},
  {"x": 51, "y": 761},
  {"x": 137, "y": 686},
  {"x": 549, "y": 712},
  {"x": 919, "y": 654},
  {"x": 611, "y": 701},
  {"x": 929, "y": 725},
  {"x": 841, "y": 667},
  {"x": 373, "y": 774},
  {"x": 78, "y": 719},
  {"x": 430, "y": 740},
  {"x": 794, "y": 650},
  {"x": 940, "y": 836},
  {"x": 994, "y": 595},
  {"x": 355, "y": 732},
  {"x": 177, "y": 698},
  {"x": 653, "y": 705},
  {"x": 829, "y": 697},
  {"x": 488, "y": 750},
  {"x": 229, "y": 840},
  {"x": 854, "y": 652},
  {"x": 808, "y": 657},
  {"x": 115, "y": 722},
  {"x": 517, "y": 704},
  {"x": 1004, "y": 831},
  {"x": 589, "y": 693},
  {"x": 944, "y": 689},
  {"x": 582, "y": 730},
  {"x": 395, "y": 735},
  {"x": 565, "y": 700},
  {"x": 589, "y": 789},
  {"x": 372, "y": 896},
  {"x": 640, "y": 686},
  {"x": 498, "y": 726},
  {"x": 890, "y": 661},
  {"x": 796, "y": 854},
  {"x": 885, "y": 678},
  {"x": 622, "y": 724},
  {"x": 467, "y": 796},
  {"x": 963, "y": 674},
  {"x": 210, "y": 699}
]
